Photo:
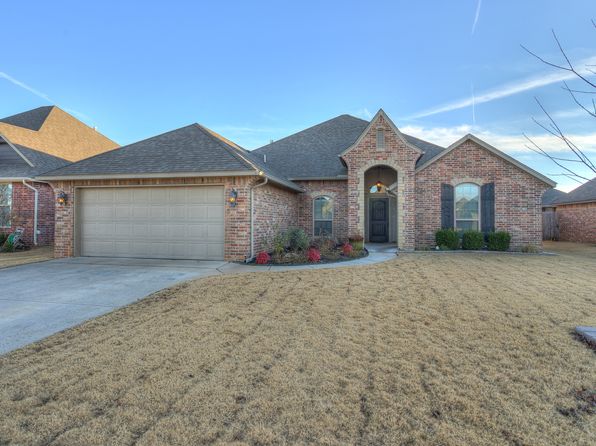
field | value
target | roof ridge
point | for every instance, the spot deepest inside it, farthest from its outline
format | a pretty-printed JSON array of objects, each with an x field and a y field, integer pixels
[
  {"x": 231, "y": 150},
  {"x": 308, "y": 128}
]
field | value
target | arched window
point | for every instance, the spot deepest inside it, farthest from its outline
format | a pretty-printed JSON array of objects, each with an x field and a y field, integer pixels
[
  {"x": 467, "y": 206},
  {"x": 322, "y": 216}
]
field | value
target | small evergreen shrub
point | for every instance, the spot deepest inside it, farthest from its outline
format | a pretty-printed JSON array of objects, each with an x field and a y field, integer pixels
[
  {"x": 472, "y": 240},
  {"x": 263, "y": 258},
  {"x": 297, "y": 239},
  {"x": 357, "y": 242},
  {"x": 529, "y": 249},
  {"x": 313, "y": 255},
  {"x": 279, "y": 243},
  {"x": 3, "y": 238},
  {"x": 498, "y": 241},
  {"x": 447, "y": 239}
]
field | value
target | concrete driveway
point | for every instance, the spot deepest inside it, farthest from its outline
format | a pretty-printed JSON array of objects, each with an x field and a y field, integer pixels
[{"x": 40, "y": 299}]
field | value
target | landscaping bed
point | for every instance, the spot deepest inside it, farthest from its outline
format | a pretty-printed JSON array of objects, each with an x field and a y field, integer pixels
[{"x": 294, "y": 247}]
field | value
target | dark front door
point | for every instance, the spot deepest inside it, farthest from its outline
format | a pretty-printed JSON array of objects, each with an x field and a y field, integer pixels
[{"x": 378, "y": 220}]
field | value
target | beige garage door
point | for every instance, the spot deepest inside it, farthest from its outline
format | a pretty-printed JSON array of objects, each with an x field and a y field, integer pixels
[{"x": 152, "y": 222}]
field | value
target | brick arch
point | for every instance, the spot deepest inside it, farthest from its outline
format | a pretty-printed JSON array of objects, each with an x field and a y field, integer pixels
[{"x": 399, "y": 193}]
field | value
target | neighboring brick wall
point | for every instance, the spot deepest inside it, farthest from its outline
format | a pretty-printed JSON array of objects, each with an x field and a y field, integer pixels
[
  {"x": 61, "y": 135},
  {"x": 335, "y": 189},
  {"x": 396, "y": 154},
  {"x": 236, "y": 219},
  {"x": 517, "y": 194},
  {"x": 23, "y": 211},
  {"x": 275, "y": 209},
  {"x": 577, "y": 222}
]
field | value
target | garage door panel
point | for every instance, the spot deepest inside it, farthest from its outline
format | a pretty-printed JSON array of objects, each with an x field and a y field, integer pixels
[{"x": 153, "y": 222}]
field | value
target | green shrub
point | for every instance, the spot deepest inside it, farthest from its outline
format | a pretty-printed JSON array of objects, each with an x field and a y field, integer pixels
[
  {"x": 3, "y": 238},
  {"x": 498, "y": 241},
  {"x": 8, "y": 246},
  {"x": 472, "y": 240},
  {"x": 279, "y": 243},
  {"x": 447, "y": 239},
  {"x": 357, "y": 242},
  {"x": 297, "y": 239}
]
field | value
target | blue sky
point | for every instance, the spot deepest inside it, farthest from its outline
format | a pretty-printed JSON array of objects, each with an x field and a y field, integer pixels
[{"x": 256, "y": 71}]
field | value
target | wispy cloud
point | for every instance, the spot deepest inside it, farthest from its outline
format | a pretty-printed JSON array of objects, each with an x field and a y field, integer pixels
[
  {"x": 363, "y": 113},
  {"x": 476, "y": 16},
  {"x": 509, "y": 89},
  {"x": 510, "y": 143},
  {"x": 24, "y": 86}
]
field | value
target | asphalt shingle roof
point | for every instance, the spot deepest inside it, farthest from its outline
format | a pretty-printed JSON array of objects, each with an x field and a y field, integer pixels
[
  {"x": 551, "y": 196},
  {"x": 189, "y": 149},
  {"x": 16, "y": 167},
  {"x": 31, "y": 119},
  {"x": 584, "y": 193},
  {"x": 314, "y": 152}
]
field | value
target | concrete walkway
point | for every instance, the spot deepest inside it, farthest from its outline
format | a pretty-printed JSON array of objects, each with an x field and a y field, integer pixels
[{"x": 40, "y": 299}]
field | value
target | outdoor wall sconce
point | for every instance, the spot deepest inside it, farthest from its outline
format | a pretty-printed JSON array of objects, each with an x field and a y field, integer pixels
[
  {"x": 62, "y": 198},
  {"x": 233, "y": 198}
]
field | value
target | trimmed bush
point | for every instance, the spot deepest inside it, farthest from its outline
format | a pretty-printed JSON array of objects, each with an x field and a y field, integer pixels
[
  {"x": 472, "y": 240},
  {"x": 263, "y": 258},
  {"x": 498, "y": 241},
  {"x": 313, "y": 255},
  {"x": 297, "y": 239},
  {"x": 447, "y": 239}
]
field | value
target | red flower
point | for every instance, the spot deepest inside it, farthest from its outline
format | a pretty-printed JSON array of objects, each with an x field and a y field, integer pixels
[
  {"x": 314, "y": 255},
  {"x": 347, "y": 249},
  {"x": 263, "y": 258}
]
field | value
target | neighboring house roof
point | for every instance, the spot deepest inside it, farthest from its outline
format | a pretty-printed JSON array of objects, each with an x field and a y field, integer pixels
[
  {"x": 188, "y": 151},
  {"x": 31, "y": 119},
  {"x": 314, "y": 152},
  {"x": 51, "y": 130},
  {"x": 20, "y": 162},
  {"x": 582, "y": 194},
  {"x": 494, "y": 151},
  {"x": 550, "y": 196}
]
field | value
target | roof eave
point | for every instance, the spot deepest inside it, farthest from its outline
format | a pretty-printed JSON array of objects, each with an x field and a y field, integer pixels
[{"x": 107, "y": 176}]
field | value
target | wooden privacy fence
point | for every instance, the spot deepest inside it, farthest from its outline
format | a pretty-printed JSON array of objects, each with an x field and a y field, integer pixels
[{"x": 550, "y": 225}]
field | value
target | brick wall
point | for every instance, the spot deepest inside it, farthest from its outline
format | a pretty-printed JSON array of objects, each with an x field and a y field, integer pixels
[
  {"x": 396, "y": 154},
  {"x": 577, "y": 222},
  {"x": 23, "y": 211},
  {"x": 236, "y": 219},
  {"x": 61, "y": 135},
  {"x": 517, "y": 194},
  {"x": 337, "y": 190},
  {"x": 275, "y": 209}
]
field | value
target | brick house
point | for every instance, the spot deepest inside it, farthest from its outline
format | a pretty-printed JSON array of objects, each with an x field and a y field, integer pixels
[
  {"x": 191, "y": 193},
  {"x": 572, "y": 215},
  {"x": 31, "y": 143}
]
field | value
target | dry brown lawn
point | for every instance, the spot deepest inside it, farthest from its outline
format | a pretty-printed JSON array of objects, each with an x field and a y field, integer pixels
[
  {"x": 40, "y": 254},
  {"x": 444, "y": 349}
]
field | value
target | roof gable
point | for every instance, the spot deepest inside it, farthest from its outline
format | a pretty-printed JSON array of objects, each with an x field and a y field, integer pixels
[
  {"x": 17, "y": 161},
  {"x": 30, "y": 119},
  {"x": 373, "y": 121},
  {"x": 494, "y": 151}
]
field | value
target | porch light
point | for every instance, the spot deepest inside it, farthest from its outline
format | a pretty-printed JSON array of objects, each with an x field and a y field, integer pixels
[
  {"x": 62, "y": 198},
  {"x": 233, "y": 197},
  {"x": 379, "y": 185}
]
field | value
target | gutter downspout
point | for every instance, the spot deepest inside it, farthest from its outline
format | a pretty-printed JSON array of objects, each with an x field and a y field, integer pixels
[
  {"x": 34, "y": 210},
  {"x": 252, "y": 218}
]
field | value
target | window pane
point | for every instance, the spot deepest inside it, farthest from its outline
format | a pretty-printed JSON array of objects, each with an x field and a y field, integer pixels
[
  {"x": 323, "y": 227},
  {"x": 5, "y": 204},
  {"x": 380, "y": 139},
  {"x": 466, "y": 201},
  {"x": 464, "y": 225},
  {"x": 323, "y": 208}
]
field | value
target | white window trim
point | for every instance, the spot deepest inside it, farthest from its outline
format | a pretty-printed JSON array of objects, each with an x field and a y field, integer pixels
[
  {"x": 479, "y": 219},
  {"x": 9, "y": 205},
  {"x": 314, "y": 219}
]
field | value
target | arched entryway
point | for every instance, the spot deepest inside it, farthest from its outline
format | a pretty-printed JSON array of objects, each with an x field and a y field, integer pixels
[{"x": 380, "y": 204}]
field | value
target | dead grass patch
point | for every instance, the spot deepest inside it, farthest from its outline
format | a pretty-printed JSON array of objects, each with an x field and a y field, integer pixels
[
  {"x": 425, "y": 349},
  {"x": 40, "y": 254}
]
